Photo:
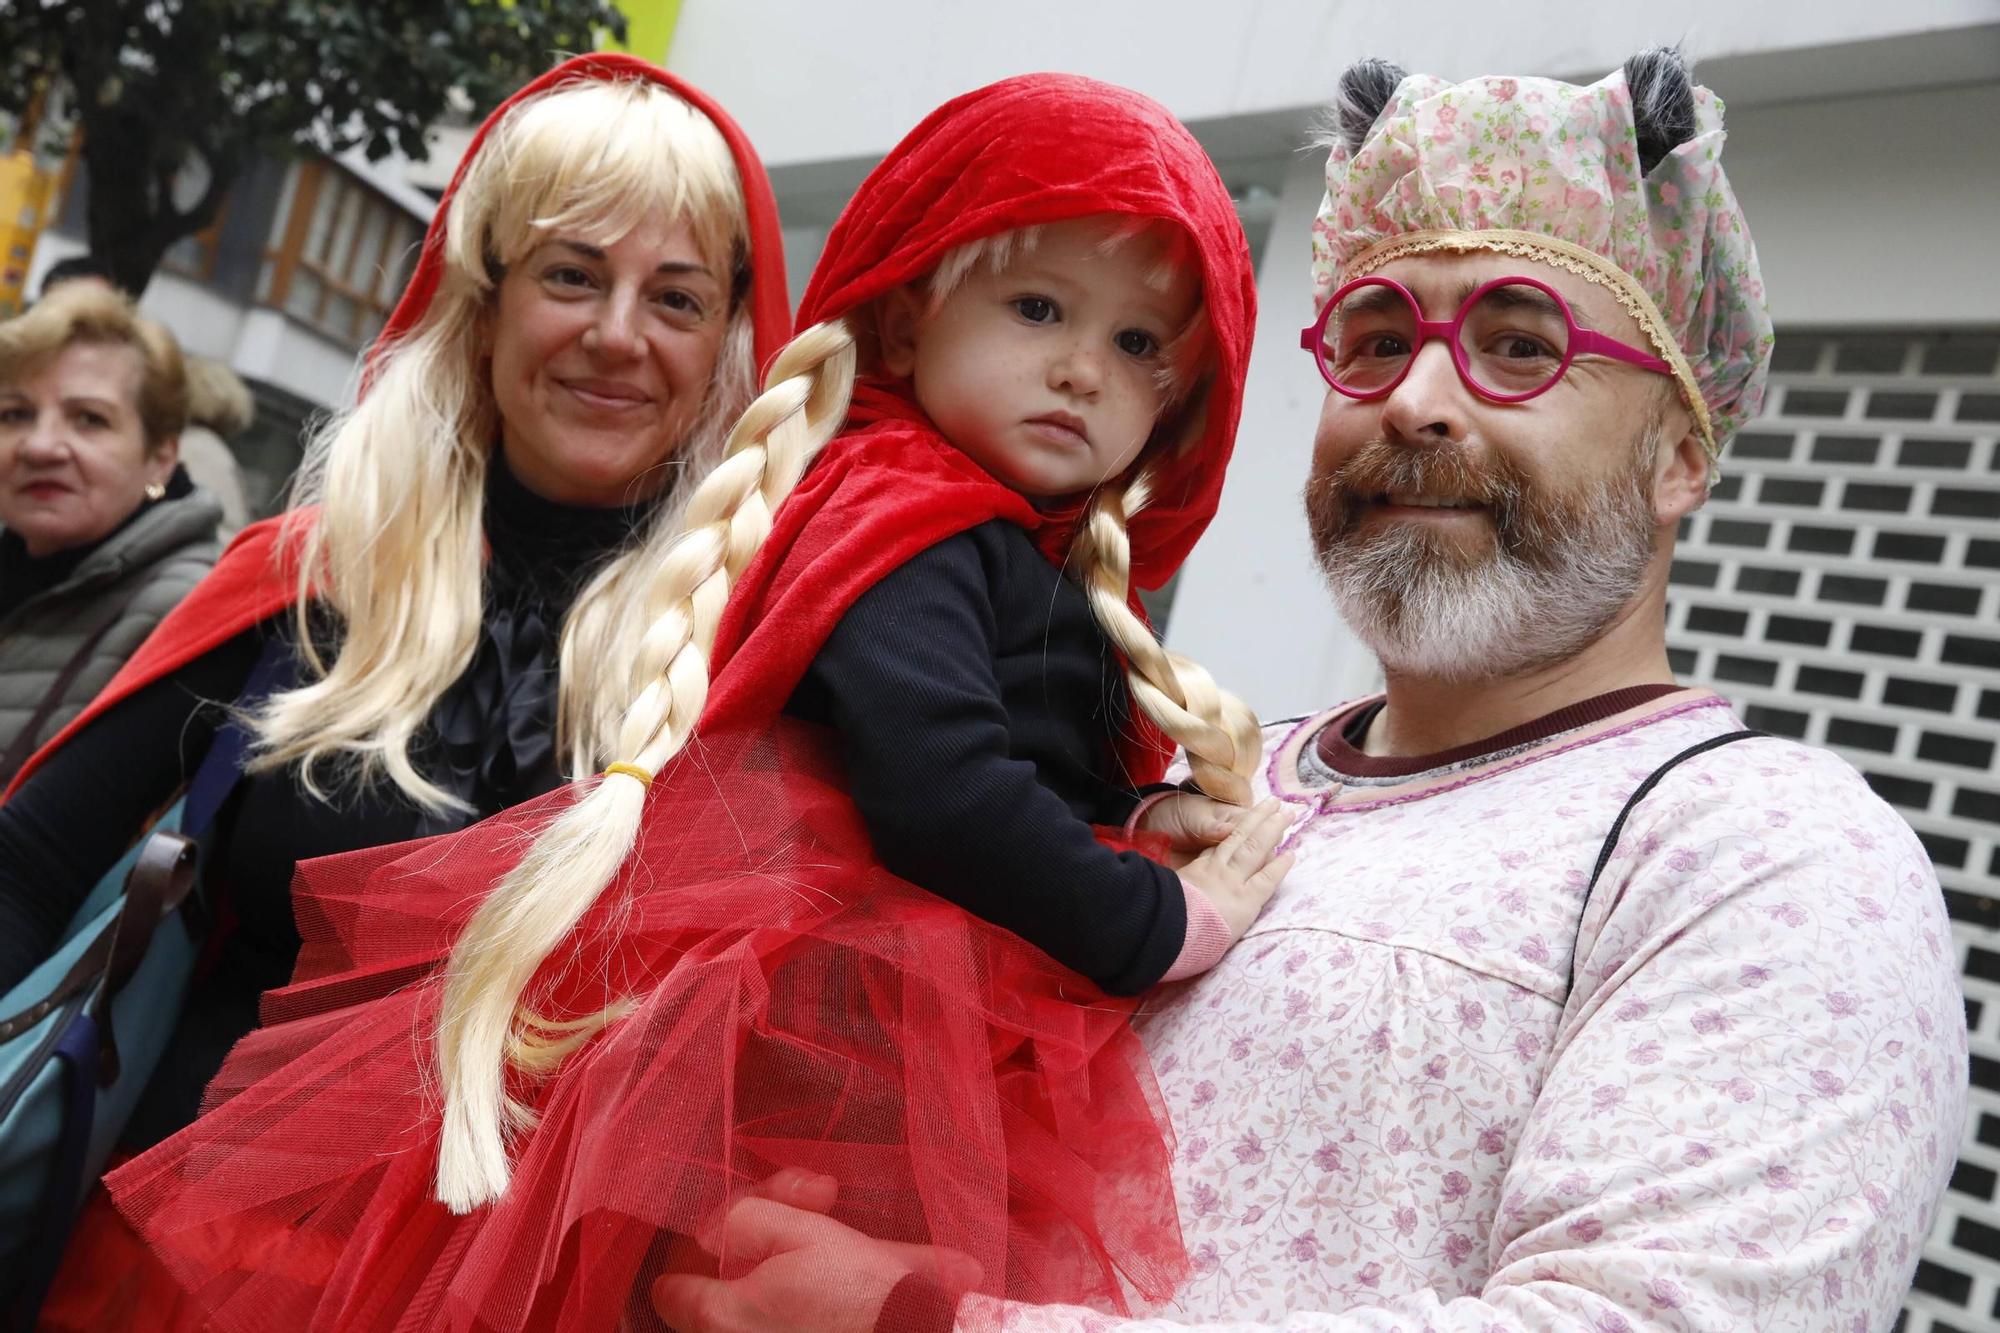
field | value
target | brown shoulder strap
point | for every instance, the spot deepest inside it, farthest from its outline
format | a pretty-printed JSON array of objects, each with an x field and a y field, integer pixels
[
  {"x": 158, "y": 883},
  {"x": 24, "y": 741}
]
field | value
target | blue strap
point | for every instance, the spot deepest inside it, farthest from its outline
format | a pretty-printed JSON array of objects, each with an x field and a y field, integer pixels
[
  {"x": 222, "y": 767},
  {"x": 76, "y": 1057}
]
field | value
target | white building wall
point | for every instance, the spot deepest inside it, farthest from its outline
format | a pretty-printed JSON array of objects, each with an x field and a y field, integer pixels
[
  {"x": 257, "y": 341},
  {"x": 1876, "y": 210},
  {"x": 812, "y": 81}
]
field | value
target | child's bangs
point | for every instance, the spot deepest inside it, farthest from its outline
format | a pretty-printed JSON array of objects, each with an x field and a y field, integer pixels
[
  {"x": 597, "y": 160},
  {"x": 1176, "y": 254},
  {"x": 991, "y": 253}
]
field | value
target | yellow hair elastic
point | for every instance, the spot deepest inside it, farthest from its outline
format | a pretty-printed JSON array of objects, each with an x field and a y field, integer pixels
[{"x": 630, "y": 771}]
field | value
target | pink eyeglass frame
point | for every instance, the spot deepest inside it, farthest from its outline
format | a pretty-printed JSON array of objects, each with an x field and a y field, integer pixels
[{"x": 1582, "y": 341}]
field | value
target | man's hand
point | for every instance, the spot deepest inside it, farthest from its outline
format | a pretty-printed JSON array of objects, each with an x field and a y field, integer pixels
[
  {"x": 1240, "y": 874},
  {"x": 786, "y": 1268}
]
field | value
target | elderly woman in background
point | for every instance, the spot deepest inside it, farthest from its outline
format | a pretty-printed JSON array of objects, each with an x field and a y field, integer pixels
[
  {"x": 102, "y": 531},
  {"x": 438, "y": 629},
  {"x": 219, "y": 406}
]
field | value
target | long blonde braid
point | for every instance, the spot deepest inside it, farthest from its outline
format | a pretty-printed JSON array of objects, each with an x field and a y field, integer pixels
[
  {"x": 1218, "y": 730},
  {"x": 482, "y": 1029}
]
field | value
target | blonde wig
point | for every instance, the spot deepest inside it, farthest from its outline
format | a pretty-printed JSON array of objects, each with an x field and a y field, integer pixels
[
  {"x": 394, "y": 557},
  {"x": 485, "y": 1025}
]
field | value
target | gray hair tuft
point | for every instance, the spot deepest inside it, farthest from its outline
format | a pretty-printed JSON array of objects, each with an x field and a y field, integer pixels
[
  {"x": 1662, "y": 102},
  {"x": 1364, "y": 90}
]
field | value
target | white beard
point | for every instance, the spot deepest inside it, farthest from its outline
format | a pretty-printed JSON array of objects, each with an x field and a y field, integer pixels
[{"x": 1430, "y": 611}]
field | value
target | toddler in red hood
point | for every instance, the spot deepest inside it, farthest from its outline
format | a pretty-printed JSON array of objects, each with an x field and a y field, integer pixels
[{"x": 898, "y": 706}]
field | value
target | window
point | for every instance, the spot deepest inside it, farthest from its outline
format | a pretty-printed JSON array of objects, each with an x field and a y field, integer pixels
[
  {"x": 339, "y": 253},
  {"x": 194, "y": 256}
]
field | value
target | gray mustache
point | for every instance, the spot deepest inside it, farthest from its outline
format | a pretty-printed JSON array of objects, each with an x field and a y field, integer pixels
[{"x": 1379, "y": 467}]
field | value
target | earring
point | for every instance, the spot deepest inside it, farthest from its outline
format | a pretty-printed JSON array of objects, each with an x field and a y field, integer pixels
[{"x": 156, "y": 490}]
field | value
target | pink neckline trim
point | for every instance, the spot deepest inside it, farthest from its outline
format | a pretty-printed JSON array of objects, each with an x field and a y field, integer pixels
[{"x": 1319, "y": 803}]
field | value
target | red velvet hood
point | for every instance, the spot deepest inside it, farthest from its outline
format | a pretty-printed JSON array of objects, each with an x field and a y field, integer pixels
[
  {"x": 251, "y": 583},
  {"x": 1040, "y": 148},
  {"x": 1047, "y": 148}
]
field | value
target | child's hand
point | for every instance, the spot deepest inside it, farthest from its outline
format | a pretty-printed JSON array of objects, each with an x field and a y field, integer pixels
[
  {"x": 1190, "y": 822},
  {"x": 1239, "y": 874}
]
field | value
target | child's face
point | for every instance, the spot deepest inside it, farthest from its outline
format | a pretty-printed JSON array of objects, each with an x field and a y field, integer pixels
[{"x": 1048, "y": 373}]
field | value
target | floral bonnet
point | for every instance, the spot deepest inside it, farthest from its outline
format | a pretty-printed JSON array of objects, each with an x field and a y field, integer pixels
[{"x": 1560, "y": 173}]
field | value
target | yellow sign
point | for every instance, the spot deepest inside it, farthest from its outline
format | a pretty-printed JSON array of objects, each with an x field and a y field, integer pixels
[
  {"x": 649, "y": 27},
  {"x": 25, "y": 191}
]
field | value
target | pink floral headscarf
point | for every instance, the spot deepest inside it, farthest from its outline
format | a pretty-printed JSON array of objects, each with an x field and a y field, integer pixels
[{"x": 1550, "y": 171}]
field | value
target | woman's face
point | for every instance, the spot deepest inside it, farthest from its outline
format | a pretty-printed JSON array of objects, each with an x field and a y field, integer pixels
[
  {"x": 74, "y": 461},
  {"x": 602, "y": 358}
]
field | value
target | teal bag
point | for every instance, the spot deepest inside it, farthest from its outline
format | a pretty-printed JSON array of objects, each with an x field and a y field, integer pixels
[
  {"x": 79, "y": 1039},
  {"x": 81, "y": 1035}
]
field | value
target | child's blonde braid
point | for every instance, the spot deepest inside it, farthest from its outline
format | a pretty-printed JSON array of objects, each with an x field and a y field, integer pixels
[
  {"x": 1218, "y": 731},
  {"x": 483, "y": 1026}
]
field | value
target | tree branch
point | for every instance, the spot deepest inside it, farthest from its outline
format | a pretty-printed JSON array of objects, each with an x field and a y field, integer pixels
[{"x": 221, "y": 79}]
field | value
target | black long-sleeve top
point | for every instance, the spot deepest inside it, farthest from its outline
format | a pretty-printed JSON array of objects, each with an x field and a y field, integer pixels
[
  {"x": 977, "y": 704},
  {"x": 489, "y": 740}
]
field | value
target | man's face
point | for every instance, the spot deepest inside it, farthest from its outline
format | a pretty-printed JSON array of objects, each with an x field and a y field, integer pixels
[{"x": 1467, "y": 538}]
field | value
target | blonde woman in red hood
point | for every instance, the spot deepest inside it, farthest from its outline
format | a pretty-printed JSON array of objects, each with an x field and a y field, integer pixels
[{"x": 440, "y": 627}]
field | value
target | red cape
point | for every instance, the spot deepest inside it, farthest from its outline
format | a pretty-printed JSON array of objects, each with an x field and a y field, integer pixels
[
  {"x": 1037, "y": 149},
  {"x": 251, "y": 583}
]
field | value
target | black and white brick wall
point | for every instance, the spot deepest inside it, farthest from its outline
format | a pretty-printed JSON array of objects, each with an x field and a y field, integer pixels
[{"x": 1843, "y": 586}]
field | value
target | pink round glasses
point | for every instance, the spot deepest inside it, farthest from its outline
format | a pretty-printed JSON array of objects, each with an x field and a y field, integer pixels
[{"x": 1511, "y": 340}]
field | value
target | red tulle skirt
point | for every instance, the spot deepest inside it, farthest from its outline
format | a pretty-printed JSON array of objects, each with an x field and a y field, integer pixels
[
  {"x": 111, "y": 1281},
  {"x": 796, "y": 1006}
]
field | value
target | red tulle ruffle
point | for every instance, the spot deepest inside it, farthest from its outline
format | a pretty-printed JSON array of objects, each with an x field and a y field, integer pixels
[
  {"x": 796, "y": 1006},
  {"x": 110, "y": 1282}
]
